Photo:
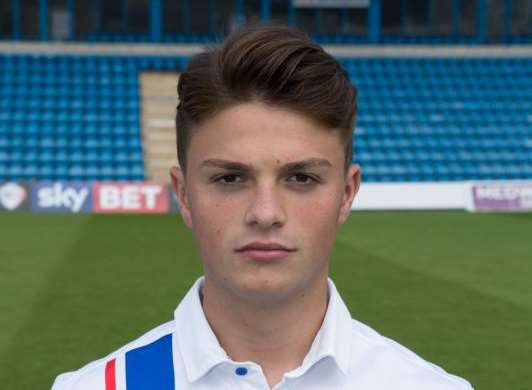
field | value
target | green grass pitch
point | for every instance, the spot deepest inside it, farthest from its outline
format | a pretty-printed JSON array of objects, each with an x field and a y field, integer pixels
[{"x": 454, "y": 287}]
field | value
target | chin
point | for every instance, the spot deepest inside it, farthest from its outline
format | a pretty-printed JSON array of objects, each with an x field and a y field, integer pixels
[{"x": 265, "y": 288}]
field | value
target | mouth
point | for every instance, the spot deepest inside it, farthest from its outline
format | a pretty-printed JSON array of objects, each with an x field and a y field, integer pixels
[{"x": 265, "y": 251}]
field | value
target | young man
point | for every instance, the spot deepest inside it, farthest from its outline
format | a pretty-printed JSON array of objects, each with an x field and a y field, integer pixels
[{"x": 265, "y": 125}]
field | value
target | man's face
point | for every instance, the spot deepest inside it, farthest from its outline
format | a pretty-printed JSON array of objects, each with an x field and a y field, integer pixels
[{"x": 264, "y": 192}]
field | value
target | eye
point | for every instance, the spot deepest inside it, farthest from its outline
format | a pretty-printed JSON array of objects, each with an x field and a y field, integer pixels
[
  {"x": 232, "y": 178},
  {"x": 301, "y": 178}
]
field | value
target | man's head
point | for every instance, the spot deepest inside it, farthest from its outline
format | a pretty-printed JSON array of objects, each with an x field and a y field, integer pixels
[
  {"x": 264, "y": 136},
  {"x": 272, "y": 64}
]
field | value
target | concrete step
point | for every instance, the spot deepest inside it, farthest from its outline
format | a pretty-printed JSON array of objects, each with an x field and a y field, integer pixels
[{"x": 159, "y": 101}]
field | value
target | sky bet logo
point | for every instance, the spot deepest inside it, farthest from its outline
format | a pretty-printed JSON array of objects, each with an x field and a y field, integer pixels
[
  {"x": 61, "y": 197},
  {"x": 130, "y": 198}
]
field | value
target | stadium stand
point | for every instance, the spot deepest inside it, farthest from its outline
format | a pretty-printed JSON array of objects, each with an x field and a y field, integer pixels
[
  {"x": 77, "y": 117},
  {"x": 87, "y": 110},
  {"x": 72, "y": 117}
]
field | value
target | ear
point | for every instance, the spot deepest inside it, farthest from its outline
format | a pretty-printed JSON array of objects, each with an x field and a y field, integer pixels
[
  {"x": 351, "y": 186},
  {"x": 178, "y": 182}
]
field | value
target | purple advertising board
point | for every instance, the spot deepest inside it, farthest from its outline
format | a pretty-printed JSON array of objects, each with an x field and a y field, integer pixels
[
  {"x": 510, "y": 196},
  {"x": 61, "y": 197}
]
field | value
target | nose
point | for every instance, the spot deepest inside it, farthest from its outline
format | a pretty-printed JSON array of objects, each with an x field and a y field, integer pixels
[{"x": 265, "y": 210}]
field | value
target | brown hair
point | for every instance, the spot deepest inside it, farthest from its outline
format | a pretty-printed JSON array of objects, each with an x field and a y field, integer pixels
[{"x": 274, "y": 64}]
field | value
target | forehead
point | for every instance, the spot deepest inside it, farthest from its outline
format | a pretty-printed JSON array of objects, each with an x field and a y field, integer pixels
[{"x": 255, "y": 132}]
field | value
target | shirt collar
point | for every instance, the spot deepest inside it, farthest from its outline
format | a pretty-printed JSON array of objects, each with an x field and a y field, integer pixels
[
  {"x": 197, "y": 343},
  {"x": 201, "y": 350},
  {"x": 333, "y": 340}
]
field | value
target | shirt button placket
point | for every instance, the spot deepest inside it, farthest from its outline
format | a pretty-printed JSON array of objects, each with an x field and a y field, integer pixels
[{"x": 249, "y": 378}]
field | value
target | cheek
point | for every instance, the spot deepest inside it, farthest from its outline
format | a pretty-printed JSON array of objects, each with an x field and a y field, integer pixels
[
  {"x": 317, "y": 216},
  {"x": 212, "y": 217}
]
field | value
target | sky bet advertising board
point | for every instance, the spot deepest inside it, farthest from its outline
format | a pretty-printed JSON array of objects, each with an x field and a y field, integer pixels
[
  {"x": 123, "y": 197},
  {"x": 61, "y": 197},
  {"x": 86, "y": 197}
]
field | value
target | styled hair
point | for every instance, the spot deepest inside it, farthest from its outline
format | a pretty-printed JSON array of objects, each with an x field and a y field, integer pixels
[{"x": 272, "y": 64}]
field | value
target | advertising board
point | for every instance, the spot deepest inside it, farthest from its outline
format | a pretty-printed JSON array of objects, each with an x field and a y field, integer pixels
[
  {"x": 133, "y": 197},
  {"x": 61, "y": 197},
  {"x": 503, "y": 196}
]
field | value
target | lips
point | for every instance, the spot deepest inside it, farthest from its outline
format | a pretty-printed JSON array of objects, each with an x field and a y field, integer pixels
[{"x": 265, "y": 251}]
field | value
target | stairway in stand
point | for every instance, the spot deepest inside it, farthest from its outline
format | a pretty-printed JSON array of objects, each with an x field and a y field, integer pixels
[{"x": 159, "y": 100}]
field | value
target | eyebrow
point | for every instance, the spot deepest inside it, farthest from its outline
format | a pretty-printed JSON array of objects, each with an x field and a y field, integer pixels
[{"x": 292, "y": 166}]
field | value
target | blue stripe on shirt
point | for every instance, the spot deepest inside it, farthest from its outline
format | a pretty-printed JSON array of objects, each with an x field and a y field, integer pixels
[{"x": 151, "y": 367}]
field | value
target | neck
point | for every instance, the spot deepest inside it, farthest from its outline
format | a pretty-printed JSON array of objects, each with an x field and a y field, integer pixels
[{"x": 276, "y": 336}]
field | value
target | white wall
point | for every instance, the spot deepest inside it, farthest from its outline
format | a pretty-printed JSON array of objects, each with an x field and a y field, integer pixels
[{"x": 412, "y": 196}]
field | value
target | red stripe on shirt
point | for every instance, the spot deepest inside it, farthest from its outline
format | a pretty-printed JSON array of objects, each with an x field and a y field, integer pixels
[{"x": 110, "y": 375}]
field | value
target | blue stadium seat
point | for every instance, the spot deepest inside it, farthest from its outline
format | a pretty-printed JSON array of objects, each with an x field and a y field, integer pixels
[{"x": 78, "y": 116}]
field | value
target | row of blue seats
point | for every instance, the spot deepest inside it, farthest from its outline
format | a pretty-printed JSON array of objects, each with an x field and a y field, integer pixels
[
  {"x": 66, "y": 91},
  {"x": 80, "y": 59},
  {"x": 469, "y": 118},
  {"x": 63, "y": 108},
  {"x": 58, "y": 83},
  {"x": 50, "y": 112},
  {"x": 74, "y": 154},
  {"x": 372, "y": 85},
  {"x": 463, "y": 62},
  {"x": 363, "y": 82},
  {"x": 415, "y": 113},
  {"x": 80, "y": 97},
  {"x": 437, "y": 173},
  {"x": 337, "y": 38},
  {"x": 463, "y": 156},
  {"x": 444, "y": 143},
  {"x": 119, "y": 118},
  {"x": 444, "y": 132},
  {"x": 445, "y": 83},
  {"x": 384, "y": 86},
  {"x": 446, "y": 152},
  {"x": 105, "y": 157},
  {"x": 438, "y": 177},
  {"x": 117, "y": 144},
  {"x": 74, "y": 59},
  {"x": 43, "y": 130},
  {"x": 91, "y": 172},
  {"x": 366, "y": 119},
  {"x": 498, "y": 159},
  {"x": 72, "y": 64},
  {"x": 422, "y": 144},
  {"x": 423, "y": 96},
  {"x": 79, "y": 102},
  {"x": 124, "y": 165},
  {"x": 75, "y": 131},
  {"x": 428, "y": 70},
  {"x": 466, "y": 119},
  {"x": 428, "y": 66},
  {"x": 119, "y": 175},
  {"x": 366, "y": 139},
  {"x": 119, "y": 153},
  {"x": 465, "y": 139},
  {"x": 426, "y": 95},
  {"x": 437, "y": 89}
]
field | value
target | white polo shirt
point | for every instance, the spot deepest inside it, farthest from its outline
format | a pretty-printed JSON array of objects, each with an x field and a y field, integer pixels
[{"x": 184, "y": 354}]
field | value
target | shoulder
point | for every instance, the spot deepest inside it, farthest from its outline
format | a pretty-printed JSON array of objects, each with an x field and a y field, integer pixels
[
  {"x": 93, "y": 375},
  {"x": 396, "y": 366}
]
